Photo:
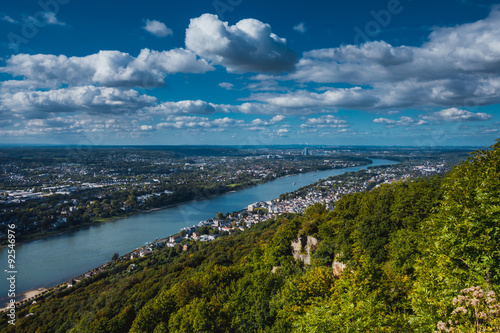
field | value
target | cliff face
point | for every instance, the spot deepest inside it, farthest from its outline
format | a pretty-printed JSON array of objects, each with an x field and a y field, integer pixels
[
  {"x": 337, "y": 268},
  {"x": 303, "y": 248}
]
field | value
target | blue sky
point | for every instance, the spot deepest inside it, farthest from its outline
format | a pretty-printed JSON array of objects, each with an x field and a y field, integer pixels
[{"x": 241, "y": 72}]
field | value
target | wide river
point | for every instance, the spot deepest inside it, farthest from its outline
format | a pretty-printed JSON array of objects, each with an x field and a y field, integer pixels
[{"x": 50, "y": 261}]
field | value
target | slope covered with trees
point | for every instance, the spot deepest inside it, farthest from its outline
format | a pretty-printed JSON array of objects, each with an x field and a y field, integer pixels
[{"x": 408, "y": 249}]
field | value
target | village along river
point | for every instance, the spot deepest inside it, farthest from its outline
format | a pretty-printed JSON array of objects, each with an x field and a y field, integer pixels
[{"x": 50, "y": 261}]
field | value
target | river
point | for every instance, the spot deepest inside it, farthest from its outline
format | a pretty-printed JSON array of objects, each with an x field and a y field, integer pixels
[{"x": 50, "y": 261}]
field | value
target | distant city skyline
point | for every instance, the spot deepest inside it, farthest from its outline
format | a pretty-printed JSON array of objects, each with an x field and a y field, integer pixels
[{"x": 375, "y": 73}]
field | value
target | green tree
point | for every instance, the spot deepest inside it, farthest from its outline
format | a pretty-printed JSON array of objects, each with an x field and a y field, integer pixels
[{"x": 462, "y": 241}]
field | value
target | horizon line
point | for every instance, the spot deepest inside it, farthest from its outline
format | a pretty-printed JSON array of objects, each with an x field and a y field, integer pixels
[{"x": 40, "y": 145}]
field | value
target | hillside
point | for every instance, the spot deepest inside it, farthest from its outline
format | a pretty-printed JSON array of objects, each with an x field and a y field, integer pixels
[{"x": 408, "y": 249}]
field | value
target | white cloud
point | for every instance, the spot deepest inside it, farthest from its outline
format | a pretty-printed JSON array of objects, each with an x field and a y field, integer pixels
[
  {"x": 457, "y": 66},
  {"x": 468, "y": 49},
  {"x": 256, "y": 108},
  {"x": 226, "y": 85},
  {"x": 226, "y": 121},
  {"x": 85, "y": 99},
  {"x": 335, "y": 98},
  {"x": 185, "y": 107},
  {"x": 325, "y": 121},
  {"x": 278, "y": 118},
  {"x": 52, "y": 19},
  {"x": 9, "y": 19},
  {"x": 43, "y": 18},
  {"x": 301, "y": 27},
  {"x": 455, "y": 115},
  {"x": 283, "y": 132},
  {"x": 157, "y": 28},
  {"x": 259, "y": 122},
  {"x": 86, "y": 125},
  {"x": 106, "y": 68},
  {"x": 196, "y": 123},
  {"x": 403, "y": 121},
  {"x": 247, "y": 46},
  {"x": 383, "y": 96}
]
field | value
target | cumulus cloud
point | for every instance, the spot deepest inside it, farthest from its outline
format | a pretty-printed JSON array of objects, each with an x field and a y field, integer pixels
[
  {"x": 403, "y": 121},
  {"x": 325, "y": 121},
  {"x": 336, "y": 98},
  {"x": 272, "y": 121},
  {"x": 86, "y": 99},
  {"x": 384, "y": 96},
  {"x": 259, "y": 122},
  {"x": 226, "y": 85},
  {"x": 269, "y": 109},
  {"x": 301, "y": 27},
  {"x": 106, "y": 68},
  {"x": 189, "y": 122},
  {"x": 278, "y": 118},
  {"x": 44, "y": 18},
  {"x": 455, "y": 115},
  {"x": 467, "y": 49},
  {"x": 283, "y": 132},
  {"x": 256, "y": 108},
  {"x": 52, "y": 19},
  {"x": 457, "y": 66},
  {"x": 186, "y": 107},
  {"x": 157, "y": 28},
  {"x": 369, "y": 62},
  {"x": 199, "y": 107},
  {"x": 80, "y": 124},
  {"x": 247, "y": 46}
]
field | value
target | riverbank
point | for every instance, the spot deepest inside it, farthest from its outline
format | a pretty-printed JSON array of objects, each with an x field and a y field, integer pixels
[
  {"x": 47, "y": 234},
  {"x": 43, "y": 235},
  {"x": 230, "y": 189},
  {"x": 282, "y": 207},
  {"x": 45, "y": 263},
  {"x": 27, "y": 296}
]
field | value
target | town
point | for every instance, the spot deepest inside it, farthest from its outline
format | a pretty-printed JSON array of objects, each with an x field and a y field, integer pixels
[
  {"x": 325, "y": 192},
  {"x": 63, "y": 191}
]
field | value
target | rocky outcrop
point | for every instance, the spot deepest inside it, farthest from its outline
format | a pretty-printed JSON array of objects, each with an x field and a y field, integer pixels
[
  {"x": 337, "y": 268},
  {"x": 303, "y": 248}
]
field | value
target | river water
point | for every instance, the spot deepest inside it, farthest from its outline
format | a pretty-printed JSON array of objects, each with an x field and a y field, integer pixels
[{"x": 50, "y": 261}]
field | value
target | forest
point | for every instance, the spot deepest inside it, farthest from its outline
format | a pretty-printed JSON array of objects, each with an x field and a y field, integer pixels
[{"x": 415, "y": 256}]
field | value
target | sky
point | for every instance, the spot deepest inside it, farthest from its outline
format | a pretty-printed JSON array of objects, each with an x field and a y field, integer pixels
[{"x": 250, "y": 72}]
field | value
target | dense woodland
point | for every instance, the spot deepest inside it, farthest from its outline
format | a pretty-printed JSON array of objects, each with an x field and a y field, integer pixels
[{"x": 410, "y": 249}]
